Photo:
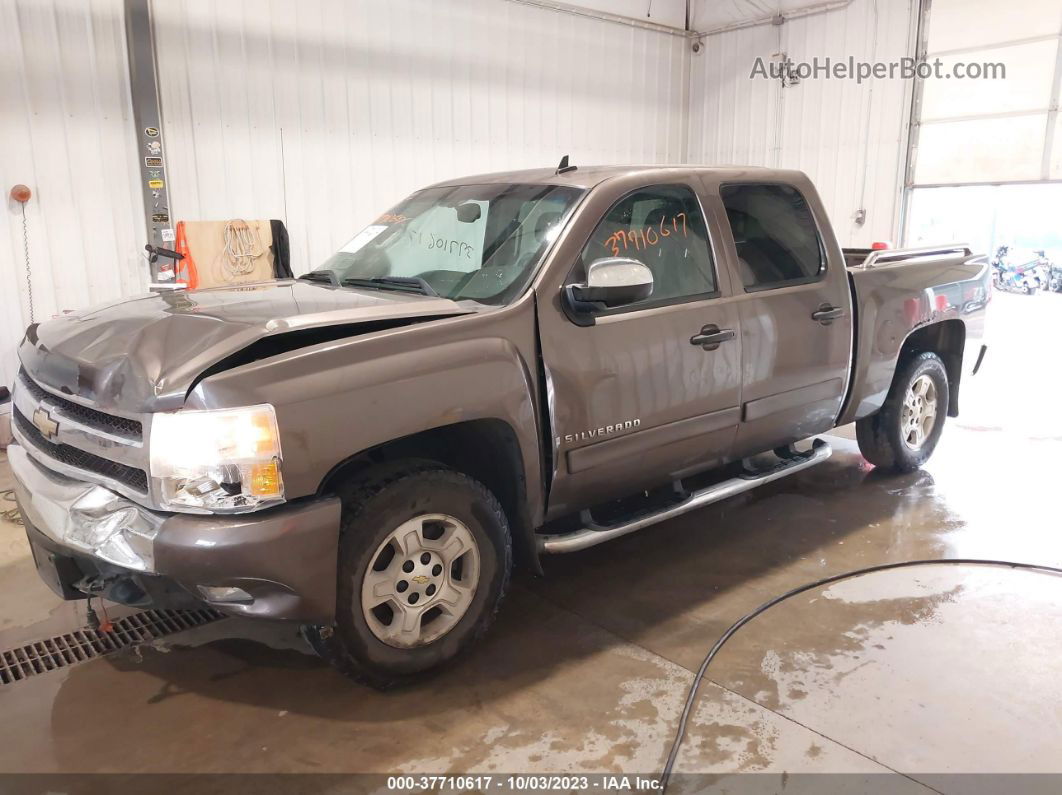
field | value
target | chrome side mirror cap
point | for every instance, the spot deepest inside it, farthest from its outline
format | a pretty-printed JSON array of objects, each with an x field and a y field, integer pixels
[{"x": 611, "y": 282}]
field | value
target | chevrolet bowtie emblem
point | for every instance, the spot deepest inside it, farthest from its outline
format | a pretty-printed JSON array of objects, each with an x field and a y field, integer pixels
[
  {"x": 420, "y": 579},
  {"x": 44, "y": 423}
]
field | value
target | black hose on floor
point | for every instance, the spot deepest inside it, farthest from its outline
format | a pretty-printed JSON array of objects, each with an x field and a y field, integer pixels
[
  {"x": 680, "y": 734},
  {"x": 9, "y": 514}
]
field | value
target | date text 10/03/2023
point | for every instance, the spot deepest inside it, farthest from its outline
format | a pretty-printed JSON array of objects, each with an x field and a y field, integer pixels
[{"x": 524, "y": 782}]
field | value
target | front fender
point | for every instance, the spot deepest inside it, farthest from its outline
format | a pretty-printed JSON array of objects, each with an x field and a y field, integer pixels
[{"x": 336, "y": 400}]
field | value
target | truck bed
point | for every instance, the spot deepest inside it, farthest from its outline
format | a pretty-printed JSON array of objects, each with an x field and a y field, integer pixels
[{"x": 891, "y": 301}]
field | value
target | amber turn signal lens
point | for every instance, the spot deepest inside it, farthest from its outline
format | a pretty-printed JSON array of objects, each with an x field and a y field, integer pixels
[{"x": 265, "y": 480}]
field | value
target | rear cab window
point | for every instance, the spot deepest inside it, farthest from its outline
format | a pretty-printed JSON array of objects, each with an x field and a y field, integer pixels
[{"x": 777, "y": 240}]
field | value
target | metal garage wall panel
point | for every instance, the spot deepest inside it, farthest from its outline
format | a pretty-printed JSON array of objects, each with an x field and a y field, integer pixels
[
  {"x": 66, "y": 131},
  {"x": 850, "y": 138},
  {"x": 720, "y": 14},
  {"x": 662, "y": 12},
  {"x": 734, "y": 119},
  {"x": 325, "y": 112}
]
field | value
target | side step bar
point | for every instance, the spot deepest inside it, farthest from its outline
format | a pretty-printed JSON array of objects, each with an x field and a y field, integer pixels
[{"x": 594, "y": 534}]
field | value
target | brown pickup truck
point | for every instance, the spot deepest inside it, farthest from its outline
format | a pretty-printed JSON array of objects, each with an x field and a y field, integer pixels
[{"x": 531, "y": 363}]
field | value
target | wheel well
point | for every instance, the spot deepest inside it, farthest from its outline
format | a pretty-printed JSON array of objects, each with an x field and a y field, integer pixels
[
  {"x": 947, "y": 339},
  {"x": 487, "y": 450}
]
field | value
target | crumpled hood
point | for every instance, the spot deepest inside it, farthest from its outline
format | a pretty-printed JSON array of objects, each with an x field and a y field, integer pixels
[{"x": 143, "y": 354}]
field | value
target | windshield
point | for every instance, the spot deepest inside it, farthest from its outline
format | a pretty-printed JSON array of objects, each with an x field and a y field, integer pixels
[{"x": 478, "y": 242}]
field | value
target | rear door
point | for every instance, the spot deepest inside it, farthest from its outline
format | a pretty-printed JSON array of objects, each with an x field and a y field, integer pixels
[
  {"x": 795, "y": 313},
  {"x": 635, "y": 402}
]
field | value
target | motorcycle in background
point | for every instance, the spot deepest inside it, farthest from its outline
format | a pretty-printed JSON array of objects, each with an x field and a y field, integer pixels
[
  {"x": 1055, "y": 280},
  {"x": 1013, "y": 278},
  {"x": 999, "y": 264},
  {"x": 1041, "y": 267}
]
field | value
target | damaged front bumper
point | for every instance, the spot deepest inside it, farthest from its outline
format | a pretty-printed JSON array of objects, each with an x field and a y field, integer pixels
[{"x": 88, "y": 540}]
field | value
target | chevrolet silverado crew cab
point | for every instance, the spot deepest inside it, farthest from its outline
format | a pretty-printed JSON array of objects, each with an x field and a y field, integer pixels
[{"x": 509, "y": 365}]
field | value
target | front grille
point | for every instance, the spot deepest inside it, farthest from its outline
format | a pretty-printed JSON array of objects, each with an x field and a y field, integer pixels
[
  {"x": 81, "y": 645},
  {"x": 108, "y": 423},
  {"x": 71, "y": 456}
]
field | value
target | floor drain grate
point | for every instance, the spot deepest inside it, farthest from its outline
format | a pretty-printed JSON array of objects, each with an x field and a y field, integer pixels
[{"x": 81, "y": 645}]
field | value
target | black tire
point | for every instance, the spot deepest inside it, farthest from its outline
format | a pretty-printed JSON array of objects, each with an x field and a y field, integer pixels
[
  {"x": 373, "y": 507},
  {"x": 879, "y": 435}
]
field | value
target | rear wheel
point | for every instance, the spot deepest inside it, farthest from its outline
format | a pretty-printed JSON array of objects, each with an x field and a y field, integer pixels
[
  {"x": 903, "y": 434},
  {"x": 424, "y": 561}
]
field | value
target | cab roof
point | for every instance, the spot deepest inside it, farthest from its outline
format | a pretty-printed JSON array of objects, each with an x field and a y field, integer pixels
[{"x": 589, "y": 176}]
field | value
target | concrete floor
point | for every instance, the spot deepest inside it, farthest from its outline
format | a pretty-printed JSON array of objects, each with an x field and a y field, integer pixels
[{"x": 918, "y": 671}]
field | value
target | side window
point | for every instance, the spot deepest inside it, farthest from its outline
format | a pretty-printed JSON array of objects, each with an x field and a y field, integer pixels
[
  {"x": 661, "y": 226},
  {"x": 774, "y": 231}
]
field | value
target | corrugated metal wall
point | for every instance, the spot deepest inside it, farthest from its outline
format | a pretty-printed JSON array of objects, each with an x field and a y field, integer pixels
[
  {"x": 850, "y": 138},
  {"x": 325, "y": 112},
  {"x": 322, "y": 112},
  {"x": 66, "y": 130}
]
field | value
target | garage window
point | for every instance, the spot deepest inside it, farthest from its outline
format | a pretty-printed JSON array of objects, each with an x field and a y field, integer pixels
[{"x": 775, "y": 234}]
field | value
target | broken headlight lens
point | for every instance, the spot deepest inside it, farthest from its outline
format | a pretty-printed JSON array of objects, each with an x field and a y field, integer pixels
[{"x": 225, "y": 460}]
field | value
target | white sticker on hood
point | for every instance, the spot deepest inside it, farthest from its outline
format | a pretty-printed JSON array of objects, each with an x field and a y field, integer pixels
[{"x": 363, "y": 237}]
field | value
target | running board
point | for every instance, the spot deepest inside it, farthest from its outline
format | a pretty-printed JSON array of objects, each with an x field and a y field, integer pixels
[{"x": 593, "y": 534}]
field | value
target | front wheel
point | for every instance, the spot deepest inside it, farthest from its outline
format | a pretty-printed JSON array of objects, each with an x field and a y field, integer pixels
[
  {"x": 902, "y": 435},
  {"x": 424, "y": 561}
]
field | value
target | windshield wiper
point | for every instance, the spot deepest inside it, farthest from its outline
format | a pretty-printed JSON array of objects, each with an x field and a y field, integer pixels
[
  {"x": 324, "y": 277},
  {"x": 409, "y": 284}
]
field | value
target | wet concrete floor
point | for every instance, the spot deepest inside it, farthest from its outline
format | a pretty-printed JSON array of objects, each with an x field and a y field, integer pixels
[{"x": 917, "y": 671}]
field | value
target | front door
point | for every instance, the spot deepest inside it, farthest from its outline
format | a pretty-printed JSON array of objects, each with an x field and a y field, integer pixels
[
  {"x": 636, "y": 398},
  {"x": 796, "y": 323}
]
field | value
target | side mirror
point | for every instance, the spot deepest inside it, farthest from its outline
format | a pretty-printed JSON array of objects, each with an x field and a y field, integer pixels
[{"x": 611, "y": 282}]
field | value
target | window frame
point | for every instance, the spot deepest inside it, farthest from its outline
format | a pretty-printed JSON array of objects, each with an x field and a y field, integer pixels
[
  {"x": 650, "y": 303},
  {"x": 824, "y": 258}
]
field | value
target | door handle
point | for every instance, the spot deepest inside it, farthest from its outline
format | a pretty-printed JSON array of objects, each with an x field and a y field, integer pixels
[
  {"x": 826, "y": 314},
  {"x": 711, "y": 337}
]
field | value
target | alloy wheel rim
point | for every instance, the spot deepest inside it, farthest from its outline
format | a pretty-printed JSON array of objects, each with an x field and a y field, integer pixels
[
  {"x": 919, "y": 413},
  {"x": 421, "y": 581}
]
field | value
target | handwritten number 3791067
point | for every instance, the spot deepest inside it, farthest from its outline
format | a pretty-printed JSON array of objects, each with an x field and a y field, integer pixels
[{"x": 647, "y": 236}]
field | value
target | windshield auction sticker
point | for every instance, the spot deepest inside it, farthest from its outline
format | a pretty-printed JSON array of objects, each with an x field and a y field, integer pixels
[{"x": 363, "y": 238}]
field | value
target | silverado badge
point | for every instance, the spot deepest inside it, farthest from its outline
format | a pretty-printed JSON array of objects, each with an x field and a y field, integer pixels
[{"x": 44, "y": 423}]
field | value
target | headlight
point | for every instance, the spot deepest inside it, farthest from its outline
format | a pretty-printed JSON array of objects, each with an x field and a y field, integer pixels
[{"x": 226, "y": 460}]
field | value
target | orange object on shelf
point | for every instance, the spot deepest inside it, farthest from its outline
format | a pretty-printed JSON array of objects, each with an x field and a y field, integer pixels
[{"x": 186, "y": 270}]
